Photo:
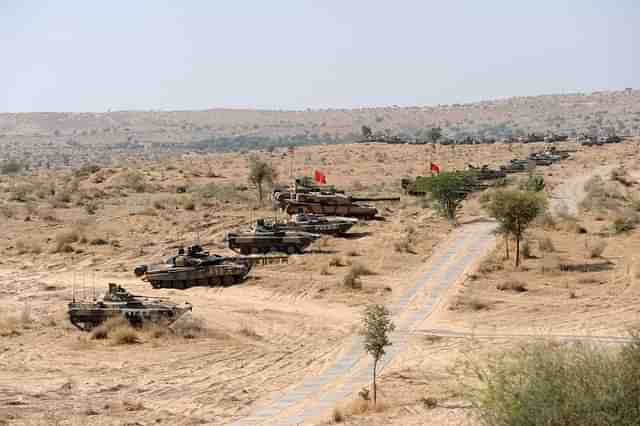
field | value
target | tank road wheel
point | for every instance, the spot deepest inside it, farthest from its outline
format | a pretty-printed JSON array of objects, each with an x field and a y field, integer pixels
[
  {"x": 155, "y": 284},
  {"x": 202, "y": 282},
  {"x": 255, "y": 250},
  {"x": 245, "y": 251},
  {"x": 215, "y": 281},
  {"x": 292, "y": 250},
  {"x": 227, "y": 280}
]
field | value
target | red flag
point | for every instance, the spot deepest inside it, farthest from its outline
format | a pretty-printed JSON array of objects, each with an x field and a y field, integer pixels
[
  {"x": 435, "y": 168},
  {"x": 320, "y": 177}
]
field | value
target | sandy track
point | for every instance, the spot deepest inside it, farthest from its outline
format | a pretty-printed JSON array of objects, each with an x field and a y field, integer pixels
[{"x": 313, "y": 398}]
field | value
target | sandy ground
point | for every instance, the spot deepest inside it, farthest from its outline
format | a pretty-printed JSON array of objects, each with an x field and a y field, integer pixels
[{"x": 286, "y": 322}]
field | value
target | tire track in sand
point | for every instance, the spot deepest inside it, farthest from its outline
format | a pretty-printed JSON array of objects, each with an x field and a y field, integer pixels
[{"x": 316, "y": 395}]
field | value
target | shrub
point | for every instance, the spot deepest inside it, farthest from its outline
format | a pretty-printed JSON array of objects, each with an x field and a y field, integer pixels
[
  {"x": 623, "y": 224},
  {"x": 512, "y": 285},
  {"x": 352, "y": 278},
  {"x": 86, "y": 170},
  {"x": 559, "y": 384},
  {"x": 133, "y": 180},
  {"x": 103, "y": 330},
  {"x": 545, "y": 245},
  {"x": 91, "y": 207},
  {"x": 188, "y": 204},
  {"x": 11, "y": 167},
  {"x": 124, "y": 335},
  {"x": 534, "y": 183},
  {"x": 336, "y": 261},
  {"x": 98, "y": 242},
  {"x": 65, "y": 239},
  {"x": 337, "y": 416},
  {"x": 596, "y": 250},
  {"x": 189, "y": 327}
]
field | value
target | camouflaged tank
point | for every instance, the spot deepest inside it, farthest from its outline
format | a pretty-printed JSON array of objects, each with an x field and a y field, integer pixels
[
  {"x": 305, "y": 184},
  {"x": 333, "y": 205},
  {"x": 485, "y": 173},
  {"x": 260, "y": 240},
  {"x": 194, "y": 268},
  {"x": 315, "y": 224},
  {"x": 119, "y": 302}
]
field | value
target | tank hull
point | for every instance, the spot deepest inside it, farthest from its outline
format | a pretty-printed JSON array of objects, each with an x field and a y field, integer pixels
[
  {"x": 346, "y": 210},
  {"x": 169, "y": 276},
  {"x": 269, "y": 242}
]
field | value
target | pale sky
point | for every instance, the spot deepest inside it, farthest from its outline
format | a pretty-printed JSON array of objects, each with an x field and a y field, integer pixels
[{"x": 294, "y": 54}]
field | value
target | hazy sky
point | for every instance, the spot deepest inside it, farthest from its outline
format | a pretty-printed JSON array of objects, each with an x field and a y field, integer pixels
[{"x": 293, "y": 54}]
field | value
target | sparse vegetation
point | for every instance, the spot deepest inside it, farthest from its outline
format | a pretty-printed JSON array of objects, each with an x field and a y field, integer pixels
[
  {"x": 190, "y": 327},
  {"x": 261, "y": 173},
  {"x": 512, "y": 285},
  {"x": 545, "y": 245},
  {"x": 597, "y": 248},
  {"x": 11, "y": 167},
  {"x": 559, "y": 384}
]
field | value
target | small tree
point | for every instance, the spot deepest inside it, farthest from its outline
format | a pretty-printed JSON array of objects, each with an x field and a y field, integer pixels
[
  {"x": 260, "y": 173},
  {"x": 448, "y": 190},
  {"x": 377, "y": 325},
  {"x": 515, "y": 210},
  {"x": 434, "y": 134}
]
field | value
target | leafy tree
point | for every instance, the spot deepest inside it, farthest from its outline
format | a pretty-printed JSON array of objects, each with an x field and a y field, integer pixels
[
  {"x": 377, "y": 325},
  {"x": 434, "y": 134},
  {"x": 366, "y": 131},
  {"x": 260, "y": 173},
  {"x": 515, "y": 210},
  {"x": 448, "y": 190}
]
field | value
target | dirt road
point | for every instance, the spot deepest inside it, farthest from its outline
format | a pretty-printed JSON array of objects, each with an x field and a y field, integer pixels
[{"x": 312, "y": 400}]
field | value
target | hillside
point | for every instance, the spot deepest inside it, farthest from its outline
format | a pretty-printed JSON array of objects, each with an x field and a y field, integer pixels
[{"x": 63, "y": 139}]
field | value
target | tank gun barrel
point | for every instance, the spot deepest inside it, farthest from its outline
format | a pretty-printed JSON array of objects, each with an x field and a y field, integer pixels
[{"x": 364, "y": 199}]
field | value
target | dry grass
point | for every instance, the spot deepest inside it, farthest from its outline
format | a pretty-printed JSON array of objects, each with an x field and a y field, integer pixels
[
  {"x": 466, "y": 303},
  {"x": 64, "y": 240},
  {"x": 512, "y": 285},
  {"x": 124, "y": 335},
  {"x": 336, "y": 261},
  {"x": 9, "y": 326},
  {"x": 597, "y": 249},
  {"x": 190, "y": 327},
  {"x": 28, "y": 246},
  {"x": 104, "y": 330},
  {"x": 545, "y": 245}
]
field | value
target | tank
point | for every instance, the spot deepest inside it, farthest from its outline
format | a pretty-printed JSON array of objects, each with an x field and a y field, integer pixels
[
  {"x": 196, "y": 267},
  {"x": 333, "y": 205},
  {"x": 315, "y": 224},
  {"x": 485, "y": 173},
  {"x": 282, "y": 196},
  {"x": 265, "y": 241},
  {"x": 117, "y": 301},
  {"x": 416, "y": 187}
]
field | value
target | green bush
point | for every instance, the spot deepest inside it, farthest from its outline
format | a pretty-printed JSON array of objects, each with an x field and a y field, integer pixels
[
  {"x": 534, "y": 183},
  {"x": 553, "y": 384}
]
